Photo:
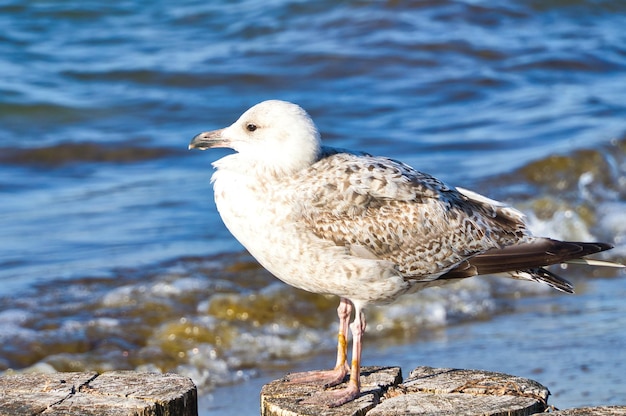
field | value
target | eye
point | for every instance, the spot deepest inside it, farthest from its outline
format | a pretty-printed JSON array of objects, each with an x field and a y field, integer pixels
[{"x": 251, "y": 127}]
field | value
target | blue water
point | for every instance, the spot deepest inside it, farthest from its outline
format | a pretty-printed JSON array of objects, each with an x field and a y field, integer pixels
[
  {"x": 571, "y": 344},
  {"x": 98, "y": 101}
]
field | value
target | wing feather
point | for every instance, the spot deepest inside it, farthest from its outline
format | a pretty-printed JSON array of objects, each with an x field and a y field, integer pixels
[{"x": 402, "y": 215}]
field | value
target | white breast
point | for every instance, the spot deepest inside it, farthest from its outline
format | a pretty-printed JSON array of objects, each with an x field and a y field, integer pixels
[{"x": 263, "y": 216}]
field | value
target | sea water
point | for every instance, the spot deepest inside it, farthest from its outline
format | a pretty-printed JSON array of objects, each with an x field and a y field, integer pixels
[{"x": 112, "y": 255}]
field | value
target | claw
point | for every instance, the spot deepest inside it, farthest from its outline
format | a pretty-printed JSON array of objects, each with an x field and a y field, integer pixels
[
  {"x": 325, "y": 378},
  {"x": 334, "y": 398}
]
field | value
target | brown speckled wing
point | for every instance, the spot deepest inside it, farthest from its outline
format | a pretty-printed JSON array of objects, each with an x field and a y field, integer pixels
[{"x": 401, "y": 215}]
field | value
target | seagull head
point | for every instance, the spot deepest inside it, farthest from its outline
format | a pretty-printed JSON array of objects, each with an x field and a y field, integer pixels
[{"x": 278, "y": 135}]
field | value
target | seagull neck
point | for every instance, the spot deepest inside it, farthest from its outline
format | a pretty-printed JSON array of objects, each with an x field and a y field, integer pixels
[{"x": 241, "y": 165}]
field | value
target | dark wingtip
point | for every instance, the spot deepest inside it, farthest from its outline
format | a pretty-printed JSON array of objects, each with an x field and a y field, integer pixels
[
  {"x": 605, "y": 246},
  {"x": 553, "y": 280},
  {"x": 596, "y": 247}
]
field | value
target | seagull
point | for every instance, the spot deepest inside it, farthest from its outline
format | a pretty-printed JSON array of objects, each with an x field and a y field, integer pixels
[{"x": 365, "y": 228}]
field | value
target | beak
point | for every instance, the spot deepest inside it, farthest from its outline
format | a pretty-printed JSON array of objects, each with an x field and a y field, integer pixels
[{"x": 208, "y": 140}]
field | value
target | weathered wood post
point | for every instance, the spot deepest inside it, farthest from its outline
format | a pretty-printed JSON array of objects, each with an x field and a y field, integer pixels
[
  {"x": 113, "y": 393},
  {"x": 427, "y": 391}
]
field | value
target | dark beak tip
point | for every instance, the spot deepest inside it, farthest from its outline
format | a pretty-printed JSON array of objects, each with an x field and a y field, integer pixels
[
  {"x": 192, "y": 145},
  {"x": 199, "y": 141},
  {"x": 208, "y": 140}
]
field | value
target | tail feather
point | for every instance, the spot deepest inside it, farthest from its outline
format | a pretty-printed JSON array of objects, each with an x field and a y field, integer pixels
[
  {"x": 594, "y": 262},
  {"x": 526, "y": 261},
  {"x": 544, "y": 276}
]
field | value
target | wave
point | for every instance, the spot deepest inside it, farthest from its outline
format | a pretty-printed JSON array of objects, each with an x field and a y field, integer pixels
[{"x": 71, "y": 153}]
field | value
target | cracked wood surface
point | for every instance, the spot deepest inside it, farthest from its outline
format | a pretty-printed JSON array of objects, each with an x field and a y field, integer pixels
[
  {"x": 113, "y": 393},
  {"x": 427, "y": 391}
]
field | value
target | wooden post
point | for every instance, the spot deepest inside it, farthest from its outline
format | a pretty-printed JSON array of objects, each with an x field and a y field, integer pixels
[
  {"x": 427, "y": 391},
  {"x": 113, "y": 393},
  {"x": 280, "y": 398}
]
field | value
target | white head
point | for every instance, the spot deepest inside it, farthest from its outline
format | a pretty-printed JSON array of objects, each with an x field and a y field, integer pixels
[{"x": 275, "y": 135}]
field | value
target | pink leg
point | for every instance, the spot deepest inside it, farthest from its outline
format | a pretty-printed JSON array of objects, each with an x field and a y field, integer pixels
[
  {"x": 334, "y": 398},
  {"x": 329, "y": 378},
  {"x": 344, "y": 310}
]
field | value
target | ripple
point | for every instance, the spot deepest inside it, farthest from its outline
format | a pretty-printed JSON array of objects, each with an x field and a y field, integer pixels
[{"x": 68, "y": 153}]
